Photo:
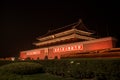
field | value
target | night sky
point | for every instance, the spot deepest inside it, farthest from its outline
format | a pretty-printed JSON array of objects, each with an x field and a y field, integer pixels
[{"x": 23, "y": 21}]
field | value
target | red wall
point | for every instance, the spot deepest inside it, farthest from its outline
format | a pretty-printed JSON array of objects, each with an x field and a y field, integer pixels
[
  {"x": 98, "y": 45},
  {"x": 57, "y": 51}
]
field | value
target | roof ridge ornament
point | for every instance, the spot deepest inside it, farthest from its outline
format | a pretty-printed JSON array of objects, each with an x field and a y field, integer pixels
[{"x": 78, "y": 23}]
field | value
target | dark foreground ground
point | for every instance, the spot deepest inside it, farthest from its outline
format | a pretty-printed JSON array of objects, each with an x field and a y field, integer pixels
[{"x": 64, "y": 69}]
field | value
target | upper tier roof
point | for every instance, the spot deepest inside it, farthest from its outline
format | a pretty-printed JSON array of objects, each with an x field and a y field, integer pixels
[{"x": 77, "y": 25}]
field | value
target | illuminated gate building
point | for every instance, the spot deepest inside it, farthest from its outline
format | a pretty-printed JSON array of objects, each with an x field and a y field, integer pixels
[{"x": 74, "y": 39}]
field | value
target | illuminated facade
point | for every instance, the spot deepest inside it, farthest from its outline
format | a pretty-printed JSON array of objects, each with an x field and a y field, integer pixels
[{"x": 68, "y": 40}]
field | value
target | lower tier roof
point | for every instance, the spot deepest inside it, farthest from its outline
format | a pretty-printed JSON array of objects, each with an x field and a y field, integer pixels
[{"x": 62, "y": 39}]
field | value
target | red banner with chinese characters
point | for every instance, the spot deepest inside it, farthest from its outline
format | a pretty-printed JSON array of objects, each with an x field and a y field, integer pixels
[{"x": 68, "y": 48}]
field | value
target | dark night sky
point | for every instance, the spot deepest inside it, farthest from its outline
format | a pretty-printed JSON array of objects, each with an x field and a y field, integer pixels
[{"x": 23, "y": 21}]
